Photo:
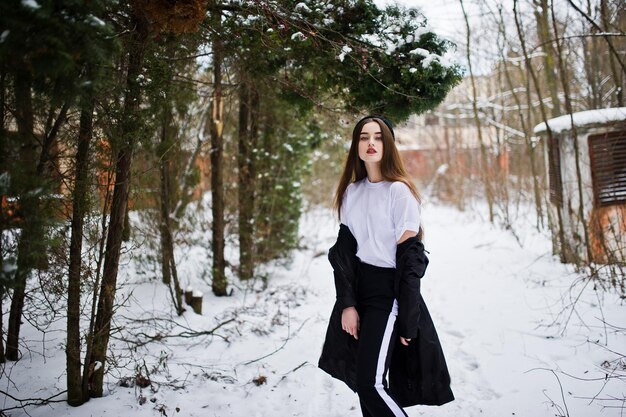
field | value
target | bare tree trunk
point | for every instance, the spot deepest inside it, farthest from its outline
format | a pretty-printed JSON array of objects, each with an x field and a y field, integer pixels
[
  {"x": 255, "y": 115},
  {"x": 2, "y": 290},
  {"x": 568, "y": 108},
  {"x": 164, "y": 167},
  {"x": 32, "y": 244},
  {"x": 543, "y": 33},
  {"x": 501, "y": 184},
  {"x": 168, "y": 262},
  {"x": 31, "y": 229},
  {"x": 591, "y": 65},
  {"x": 614, "y": 52},
  {"x": 483, "y": 149},
  {"x": 246, "y": 188},
  {"x": 81, "y": 187},
  {"x": 130, "y": 122},
  {"x": 3, "y": 79},
  {"x": 217, "y": 165},
  {"x": 88, "y": 367},
  {"x": 2, "y": 163},
  {"x": 50, "y": 138},
  {"x": 617, "y": 75},
  {"x": 520, "y": 33},
  {"x": 185, "y": 189},
  {"x": 525, "y": 127},
  {"x": 178, "y": 291},
  {"x": 531, "y": 155}
]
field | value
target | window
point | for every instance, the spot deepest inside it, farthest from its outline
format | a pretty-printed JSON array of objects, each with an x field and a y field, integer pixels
[
  {"x": 554, "y": 171},
  {"x": 607, "y": 152}
]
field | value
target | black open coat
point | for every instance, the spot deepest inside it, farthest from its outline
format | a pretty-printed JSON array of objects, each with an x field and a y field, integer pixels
[{"x": 418, "y": 373}]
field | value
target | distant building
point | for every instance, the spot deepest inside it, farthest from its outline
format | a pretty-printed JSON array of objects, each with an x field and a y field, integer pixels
[
  {"x": 447, "y": 136},
  {"x": 598, "y": 137}
]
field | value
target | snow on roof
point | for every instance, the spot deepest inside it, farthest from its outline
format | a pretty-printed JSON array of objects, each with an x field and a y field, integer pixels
[{"x": 583, "y": 118}]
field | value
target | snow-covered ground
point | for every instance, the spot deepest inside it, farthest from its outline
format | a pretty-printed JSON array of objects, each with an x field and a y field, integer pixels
[{"x": 500, "y": 308}]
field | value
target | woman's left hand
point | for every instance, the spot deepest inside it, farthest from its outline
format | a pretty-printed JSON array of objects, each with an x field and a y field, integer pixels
[{"x": 404, "y": 341}]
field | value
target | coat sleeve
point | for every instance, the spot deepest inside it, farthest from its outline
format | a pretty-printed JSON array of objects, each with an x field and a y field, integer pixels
[
  {"x": 412, "y": 262},
  {"x": 345, "y": 292},
  {"x": 342, "y": 257}
]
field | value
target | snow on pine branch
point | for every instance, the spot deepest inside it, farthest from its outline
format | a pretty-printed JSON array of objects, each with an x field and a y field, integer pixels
[
  {"x": 31, "y": 4},
  {"x": 428, "y": 57}
]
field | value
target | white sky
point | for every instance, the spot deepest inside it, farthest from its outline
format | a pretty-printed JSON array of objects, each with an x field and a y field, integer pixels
[{"x": 445, "y": 17}]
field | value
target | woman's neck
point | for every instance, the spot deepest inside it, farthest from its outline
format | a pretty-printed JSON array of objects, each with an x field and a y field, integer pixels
[{"x": 373, "y": 172}]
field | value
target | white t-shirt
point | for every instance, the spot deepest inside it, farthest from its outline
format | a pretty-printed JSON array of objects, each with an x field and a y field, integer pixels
[{"x": 378, "y": 214}]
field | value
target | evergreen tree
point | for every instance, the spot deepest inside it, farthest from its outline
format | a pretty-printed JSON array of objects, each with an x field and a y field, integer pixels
[
  {"x": 50, "y": 45},
  {"x": 365, "y": 59}
]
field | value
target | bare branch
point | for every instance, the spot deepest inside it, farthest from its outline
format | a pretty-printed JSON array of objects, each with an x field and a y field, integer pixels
[
  {"x": 604, "y": 35},
  {"x": 26, "y": 402}
]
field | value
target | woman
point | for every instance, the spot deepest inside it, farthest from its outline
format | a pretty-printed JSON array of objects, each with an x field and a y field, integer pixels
[{"x": 379, "y": 322}]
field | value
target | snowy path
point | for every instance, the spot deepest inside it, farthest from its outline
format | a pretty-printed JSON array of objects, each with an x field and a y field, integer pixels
[{"x": 490, "y": 299}]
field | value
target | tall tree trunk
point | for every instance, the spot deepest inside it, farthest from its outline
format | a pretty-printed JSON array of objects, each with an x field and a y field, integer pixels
[
  {"x": 543, "y": 33},
  {"x": 79, "y": 209},
  {"x": 569, "y": 109},
  {"x": 614, "y": 55},
  {"x": 255, "y": 114},
  {"x": 32, "y": 244},
  {"x": 592, "y": 65},
  {"x": 2, "y": 358},
  {"x": 246, "y": 189},
  {"x": 31, "y": 228},
  {"x": 50, "y": 138},
  {"x": 3, "y": 78},
  {"x": 618, "y": 76},
  {"x": 88, "y": 366},
  {"x": 525, "y": 123},
  {"x": 130, "y": 126},
  {"x": 217, "y": 166},
  {"x": 483, "y": 149},
  {"x": 562, "y": 243},
  {"x": 164, "y": 228},
  {"x": 168, "y": 262},
  {"x": 531, "y": 155},
  {"x": 3, "y": 133}
]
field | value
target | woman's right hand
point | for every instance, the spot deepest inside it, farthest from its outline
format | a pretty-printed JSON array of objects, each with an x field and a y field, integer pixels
[{"x": 350, "y": 321}]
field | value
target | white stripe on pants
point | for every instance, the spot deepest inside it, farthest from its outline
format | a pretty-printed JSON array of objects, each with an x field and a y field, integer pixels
[{"x": 380, "y": 367}]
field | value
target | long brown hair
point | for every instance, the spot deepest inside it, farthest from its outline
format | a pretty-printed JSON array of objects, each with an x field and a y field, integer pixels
[{"x": 391, "y": 166}]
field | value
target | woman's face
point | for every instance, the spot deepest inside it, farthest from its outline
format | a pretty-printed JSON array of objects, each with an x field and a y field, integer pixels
[{"x": 371, "y": 143}]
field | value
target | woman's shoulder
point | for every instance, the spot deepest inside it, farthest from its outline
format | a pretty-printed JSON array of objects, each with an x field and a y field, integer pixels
[
  {"x": 399, "y": 189},
  {"x": 349, "y": 190}
]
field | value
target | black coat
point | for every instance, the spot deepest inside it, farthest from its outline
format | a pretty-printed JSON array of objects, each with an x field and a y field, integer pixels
[{"x": 418, "y": 373}]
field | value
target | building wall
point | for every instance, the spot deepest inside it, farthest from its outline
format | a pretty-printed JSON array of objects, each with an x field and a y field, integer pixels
[{"x": 606, "y": 225}]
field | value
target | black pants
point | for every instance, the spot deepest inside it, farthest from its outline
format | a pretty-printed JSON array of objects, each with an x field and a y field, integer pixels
[{"x": 377, "y": 310}]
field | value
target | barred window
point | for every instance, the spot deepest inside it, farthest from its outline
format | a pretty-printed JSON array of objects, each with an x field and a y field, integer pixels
[{"x": 607, "y": 152}]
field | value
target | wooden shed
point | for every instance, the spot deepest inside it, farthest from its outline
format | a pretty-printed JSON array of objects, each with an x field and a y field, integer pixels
[{"x": 585, "y": 154}]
